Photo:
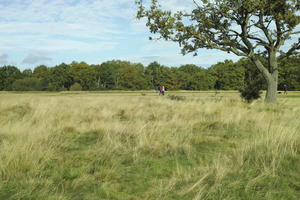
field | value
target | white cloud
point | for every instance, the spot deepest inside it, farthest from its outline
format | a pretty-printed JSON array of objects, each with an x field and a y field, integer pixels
[
  {"x": 65, "y": 10},
  {"x": 78, "y": 29},
  {"x": 84, "y": 25}
]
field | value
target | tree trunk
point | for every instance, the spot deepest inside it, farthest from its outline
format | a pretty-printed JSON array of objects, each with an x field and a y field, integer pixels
[
  {"x": 271, "y": 95},
  {"x": 270, "y": 77}
]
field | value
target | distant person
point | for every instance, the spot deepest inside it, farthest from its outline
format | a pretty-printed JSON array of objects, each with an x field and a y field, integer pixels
[
  {"x": 285, "y": 88},
  {"x": 163, "y": 90},
  {"x": 160, "y": 90}
]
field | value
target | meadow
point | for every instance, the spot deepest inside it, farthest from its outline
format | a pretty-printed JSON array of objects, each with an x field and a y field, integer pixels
[{"x": 141, "y": 146}]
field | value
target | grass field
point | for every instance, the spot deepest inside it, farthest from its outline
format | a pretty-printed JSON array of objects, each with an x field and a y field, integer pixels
[{"x": 141, "y": 146}]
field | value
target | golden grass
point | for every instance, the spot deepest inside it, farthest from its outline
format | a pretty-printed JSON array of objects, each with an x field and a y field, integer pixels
[{"x": 193, "y": 146}]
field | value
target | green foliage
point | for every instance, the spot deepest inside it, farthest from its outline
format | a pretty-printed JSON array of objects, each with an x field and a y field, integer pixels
[
  {"x": 76, "y": 87},
  {"x": 116, "y": 74},
  {"x": 108, "y": 75},
  {"x": 27, "y": 73},
  {"x": 59, "y": 78},
  {"x": 8, "y": 75},
  {"x": 212, "y": 24},
  {"x": 228, "y": 75},
  {"x": 84, "y": 74},
  {"x": 193, "y": 77},
  {"x": 250, "y": 92},
  {"x": 40, "y": 72},
  {"x": 231, "y": 26},
  {"x": 27, "y": 84},
  {"x": 132, "y": 77},
  {"x": 253, "y": 82},
  {"x": 155, "y": 74},
  {"x": 289, "y": 73}
]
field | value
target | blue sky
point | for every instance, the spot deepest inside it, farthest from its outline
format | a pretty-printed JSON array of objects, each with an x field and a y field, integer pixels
[{"x": 50, "y": 32}]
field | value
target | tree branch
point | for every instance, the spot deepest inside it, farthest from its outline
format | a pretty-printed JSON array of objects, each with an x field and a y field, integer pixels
[
  {"x": 260, "y": 24},
  {"x": 293, "y": 49}
]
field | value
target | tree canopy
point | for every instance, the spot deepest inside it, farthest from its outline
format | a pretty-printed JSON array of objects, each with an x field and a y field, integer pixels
[
  {"x": 248, "y": 28},
  {"x": 115, "y": 74}
]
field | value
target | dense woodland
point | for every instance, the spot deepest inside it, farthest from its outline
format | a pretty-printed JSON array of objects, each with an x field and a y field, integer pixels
[{"x": 123, "y": 75}]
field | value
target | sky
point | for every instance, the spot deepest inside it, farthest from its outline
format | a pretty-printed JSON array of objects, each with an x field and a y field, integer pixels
[{"x": 35, "y": 32}]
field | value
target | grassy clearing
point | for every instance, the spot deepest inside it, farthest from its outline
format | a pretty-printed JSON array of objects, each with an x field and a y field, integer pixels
[{"x": 73, "y": 146}]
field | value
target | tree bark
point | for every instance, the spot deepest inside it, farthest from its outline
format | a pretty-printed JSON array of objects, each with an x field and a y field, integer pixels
[
  {"x": 270, "y": 77},
  {"x": 272, "y": 83}
]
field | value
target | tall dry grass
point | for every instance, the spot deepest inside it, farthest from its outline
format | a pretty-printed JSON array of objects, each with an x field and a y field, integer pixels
[{"x": 124, "y": 146}]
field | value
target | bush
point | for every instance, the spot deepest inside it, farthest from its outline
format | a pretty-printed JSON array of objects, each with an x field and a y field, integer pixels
[
  {"x": 253, "y": 85},
  {"x": 27, "y": 84},
  {"x": 76, "y": 87},
  {"x": 250, "y": 93}
]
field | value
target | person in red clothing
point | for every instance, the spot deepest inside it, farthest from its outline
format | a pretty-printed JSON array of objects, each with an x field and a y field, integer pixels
[{"x": 160, "y": 90}]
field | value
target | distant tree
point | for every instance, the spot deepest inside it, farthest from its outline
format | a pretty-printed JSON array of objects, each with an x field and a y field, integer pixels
[
  {"x": 27, "y": 84},
  {"x": 156, "y": 74},
  {"x": 190, "y": 69},
  {"x": 246, "y": 28},
  {"x": 59, "y": 78},
  {"x": 202, "y": 80},
  {"x": 132, "y": 77},
  {"x": 27, "y": 73},
  {"x": 186, "y": 76},
  {"x": 195, "y": 78},
  {"x": 98, "y": 75},
  {"x": 289, "y": 73},
  {"x": 40, "y": 72},
  {"x": 68, "y": 80},
  {"x": 172, "y": 79},
  {"x": 108, "y": 74},
  {"x": 83, "y": 74},
  {"x": 8, "y": 75},
  {"x": 228, "y": 75}
]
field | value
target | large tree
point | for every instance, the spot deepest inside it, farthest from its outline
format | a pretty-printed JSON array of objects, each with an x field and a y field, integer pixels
[{"x": 248, "y": 28}]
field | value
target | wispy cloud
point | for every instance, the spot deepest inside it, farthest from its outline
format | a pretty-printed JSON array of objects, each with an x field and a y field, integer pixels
[
  {"x": 88, "y": 30},
  {"x": 36, "y": 59},
  {"x": 63, "y": 26}
]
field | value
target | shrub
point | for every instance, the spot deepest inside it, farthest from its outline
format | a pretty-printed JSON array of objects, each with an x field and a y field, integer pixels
[
  {"x": 251, "y": 90},
  {"x": 250, "y": 93},
  {"x": 253, "y": 84},
  {"x": 76, "y": 87}
]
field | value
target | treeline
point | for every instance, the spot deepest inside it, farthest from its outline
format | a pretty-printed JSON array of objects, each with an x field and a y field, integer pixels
[{"x": 123, "y": 75}]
